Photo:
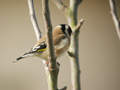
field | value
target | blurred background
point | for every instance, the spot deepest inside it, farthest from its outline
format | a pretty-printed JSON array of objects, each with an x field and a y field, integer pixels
[{"x": 99, "y": 47}]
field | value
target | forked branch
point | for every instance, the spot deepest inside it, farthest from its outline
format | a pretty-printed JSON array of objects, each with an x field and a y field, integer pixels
[
  {"x": 74, "y": 46},
  {"x": 78, "y": 26},
  {"x": 76, "y": 33}
]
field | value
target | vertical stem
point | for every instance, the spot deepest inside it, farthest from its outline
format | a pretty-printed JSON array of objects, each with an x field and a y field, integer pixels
[
  {"x": 52, "y": 70},
  {"x": 75, "y": 68},
  {"x": 52, "y": 77},
  {"x": 48, "y": 28},
  {"x": 74, "y": 47}
]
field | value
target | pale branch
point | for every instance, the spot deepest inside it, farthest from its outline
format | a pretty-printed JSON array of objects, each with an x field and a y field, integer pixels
[
  {"x": 34, "y": 19},
  {"x": 52, "y": 78},
  {"x": 76, "y": 30},
  {"x": 48, "y": 28},
  {"x": 115, "y": 16},
  {"x": 78, "y": 26},
  {"x": 74, "y": 46},
  {"x": 72, "y": 12}
]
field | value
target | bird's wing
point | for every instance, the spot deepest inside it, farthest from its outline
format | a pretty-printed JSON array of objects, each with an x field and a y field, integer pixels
[
  {"x": 40, "y": 46},
  {"x": 60, "y": 42},
  {"x": 57, "y": 40}
]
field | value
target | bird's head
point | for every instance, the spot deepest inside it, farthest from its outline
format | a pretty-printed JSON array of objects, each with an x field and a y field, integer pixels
[
  {"x": 63, "y": 28},
  {"x": 66, "y": 29}
]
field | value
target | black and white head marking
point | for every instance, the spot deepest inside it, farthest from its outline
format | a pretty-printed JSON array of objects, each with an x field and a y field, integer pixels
[
  {"x": 69, "y": 30},
  {"x": 66, "y": 29}
]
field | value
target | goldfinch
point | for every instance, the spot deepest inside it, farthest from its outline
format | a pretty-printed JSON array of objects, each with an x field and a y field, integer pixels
[{"x": 61, "y": 41}]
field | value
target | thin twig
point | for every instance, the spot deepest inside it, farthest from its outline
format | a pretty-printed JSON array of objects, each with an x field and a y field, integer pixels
[
  {"x": 79, "y": 25},
  {"x": 71, "y": 54},
  {"x": 34, "y": 19},
  {"x": 60, "y": 4},
  {"x": 115, "y": 16}
]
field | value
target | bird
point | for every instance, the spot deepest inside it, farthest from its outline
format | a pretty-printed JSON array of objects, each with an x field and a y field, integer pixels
[{"x": 61, "y": 40}]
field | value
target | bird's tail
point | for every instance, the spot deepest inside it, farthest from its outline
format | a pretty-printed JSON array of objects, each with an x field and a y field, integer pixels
[{"x": 28, "y": 54}]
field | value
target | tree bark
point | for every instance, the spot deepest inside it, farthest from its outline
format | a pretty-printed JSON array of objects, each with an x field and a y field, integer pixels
[{"x": 52, "y": 70}]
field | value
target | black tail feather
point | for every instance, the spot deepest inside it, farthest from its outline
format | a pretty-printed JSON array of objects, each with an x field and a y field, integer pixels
[
  {"x": 24, "y": 55},
  {"x": 19, "y": 58}
]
